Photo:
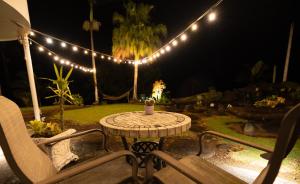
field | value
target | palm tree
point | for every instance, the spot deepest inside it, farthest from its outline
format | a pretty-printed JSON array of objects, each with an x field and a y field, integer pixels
[
  {"x": 92, "y": 25},
  {"x": 134, "y": 36}
]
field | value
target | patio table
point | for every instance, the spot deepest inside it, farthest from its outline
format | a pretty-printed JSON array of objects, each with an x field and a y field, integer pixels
[{"x": 139, "y": 125}]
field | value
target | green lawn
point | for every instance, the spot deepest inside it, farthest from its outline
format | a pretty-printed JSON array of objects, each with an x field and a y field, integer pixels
[
  {"x": 218, "y": 123},
  {"x": 93, "y": 114}
]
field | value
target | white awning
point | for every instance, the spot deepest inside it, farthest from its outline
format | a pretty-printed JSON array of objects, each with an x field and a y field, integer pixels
[{"x": 14, "y": 19}]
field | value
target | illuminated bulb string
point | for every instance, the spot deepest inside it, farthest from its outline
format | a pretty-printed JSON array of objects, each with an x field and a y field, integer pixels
[
  {"x": 76, "y": 48},
  {"x": 182, "y": 36},
  {"x": 60, "y": 60}
]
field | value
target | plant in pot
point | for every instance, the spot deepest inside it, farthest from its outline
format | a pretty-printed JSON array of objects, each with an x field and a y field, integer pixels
[{"x": 149, "y": 106}]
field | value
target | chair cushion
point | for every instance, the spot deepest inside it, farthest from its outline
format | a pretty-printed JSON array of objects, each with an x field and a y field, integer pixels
[
  {"x": 60, "y": 152},
  {"x": 112, "y": 172},
  {"x": 212, "y": 173}
]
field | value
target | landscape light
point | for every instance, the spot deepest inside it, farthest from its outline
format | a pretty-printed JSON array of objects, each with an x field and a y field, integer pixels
[
  {"x": 212, "y": 16},
  {"x": 49, "y": 40},
  {"x": 75, "y": 48},
  {"x": 63, "y": 44},
  {"x": 183, "y": 37},
  {"x": 194, "y": 27}
]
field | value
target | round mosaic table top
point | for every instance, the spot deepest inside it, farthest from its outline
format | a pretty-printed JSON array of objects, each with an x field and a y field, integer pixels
[{"x": 139, "y": 125}]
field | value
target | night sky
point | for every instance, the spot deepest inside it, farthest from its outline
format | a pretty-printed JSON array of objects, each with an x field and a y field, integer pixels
[{"x": 218, "y": 55}]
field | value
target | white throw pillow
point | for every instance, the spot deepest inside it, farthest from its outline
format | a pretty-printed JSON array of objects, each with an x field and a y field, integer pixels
[{"x": 60, "y": 152}]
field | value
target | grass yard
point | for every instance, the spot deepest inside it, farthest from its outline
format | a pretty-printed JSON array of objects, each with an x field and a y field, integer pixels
[
  {"x": 93, "y": 114},
  {"x": 218, "y": 123}
]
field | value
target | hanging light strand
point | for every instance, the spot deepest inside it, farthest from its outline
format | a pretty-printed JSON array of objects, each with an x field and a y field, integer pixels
[
  {"x": 77, "y": 48},
  {"x": 60, "y": 60},
  {"x": 183, "y": 36}
]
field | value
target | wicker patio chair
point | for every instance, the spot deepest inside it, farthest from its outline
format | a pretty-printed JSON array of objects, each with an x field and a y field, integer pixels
[
  {"x": 32, "y": 165},
  {"x": 193, "y": 169}
]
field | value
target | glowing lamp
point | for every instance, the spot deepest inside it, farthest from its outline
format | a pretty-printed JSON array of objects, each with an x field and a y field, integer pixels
[
  {"x": 49, "y": 40},
  {"x": 212, "y": 16},
  {"x": 183, "y": 37}
]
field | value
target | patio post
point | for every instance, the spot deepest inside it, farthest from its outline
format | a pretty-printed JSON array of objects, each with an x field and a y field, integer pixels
[{"x": 28, "y": 60}]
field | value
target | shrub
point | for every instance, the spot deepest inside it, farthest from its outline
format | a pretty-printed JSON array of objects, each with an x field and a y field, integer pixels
[
  {"x": 272, "y": 102},
  {"x": 42, "y": 129}
]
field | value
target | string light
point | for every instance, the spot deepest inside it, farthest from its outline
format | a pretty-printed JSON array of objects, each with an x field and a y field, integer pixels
[
  {"x": 168, "y": 48},
  {"x": 75, "y": 49},
  {"x": 49, "y": 40},
  {"x": 194, "y": 27},
  {"x": 175, "y": 43},
  {"x": 212, "y": 16},
  {"x": 62, "y": 61},
  {"x": 41, "y": 49},
  {"x": 183, "y": 37},
  {"x": 63, "y": 44}
]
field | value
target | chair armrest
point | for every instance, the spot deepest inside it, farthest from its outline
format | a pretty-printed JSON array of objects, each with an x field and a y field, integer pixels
[
  {"x": 92, "y": 164},
  {"x": 173, "y": 163},
  {"x": 262, "y": 148},
  {"x": 41, "y": 144}
]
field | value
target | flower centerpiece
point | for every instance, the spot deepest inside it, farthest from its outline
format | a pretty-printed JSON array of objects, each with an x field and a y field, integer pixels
[{"x": 149, "y": 106}]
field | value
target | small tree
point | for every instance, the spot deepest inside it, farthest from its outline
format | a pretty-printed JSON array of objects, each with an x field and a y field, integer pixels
[{"x": 61, "y": 90}]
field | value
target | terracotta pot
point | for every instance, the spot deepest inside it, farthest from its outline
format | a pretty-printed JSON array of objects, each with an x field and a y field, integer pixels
[{"x": 149, "y": 109}]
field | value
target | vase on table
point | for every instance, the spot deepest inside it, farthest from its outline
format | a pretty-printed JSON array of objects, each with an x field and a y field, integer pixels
[{"x": 149, "y": 106}]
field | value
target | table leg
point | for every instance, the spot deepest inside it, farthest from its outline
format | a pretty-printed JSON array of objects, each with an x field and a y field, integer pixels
[
  {"x": 160, "y": 163},
  {"x": 125, "y": 144},
  {"x": 161, "y": 143}
]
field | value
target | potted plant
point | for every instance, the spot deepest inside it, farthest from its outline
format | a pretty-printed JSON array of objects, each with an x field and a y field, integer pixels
[{"x": 149, "y": 106}]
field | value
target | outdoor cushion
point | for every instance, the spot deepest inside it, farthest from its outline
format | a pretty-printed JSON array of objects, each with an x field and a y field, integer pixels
[
  {"x": 60, "y": 152},
  {"x": 202, "y": 167}
]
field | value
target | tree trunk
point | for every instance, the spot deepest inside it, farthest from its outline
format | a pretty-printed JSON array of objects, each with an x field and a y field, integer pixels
[
  {"x": 61, "y": 105},
  {"x": 288, "y": 53},
  {"x": 94, "y": 65},
  {"x": 136, "y": 72}
]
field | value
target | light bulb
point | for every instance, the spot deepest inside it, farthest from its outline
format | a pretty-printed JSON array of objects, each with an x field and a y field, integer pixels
[
  {"x": 175, "y": 43},
  {"x": 32, "y": 33},
  {"x": 63, "y": 44},
  {"x": 94, "y": 54},
  {"x": 109, "y": 58},
  {"x": 183, "y": 37},
  {"x": 194, "y": 27},
  {"x": 49, "y": 40},
  {"x": 212, "y": 16},
  {"x": 62, "y": 61},
  {"x": 162, "y": 51},
  {"x": 168, "y": 48},
  {"x": 67, "y": 62},
  {"x": 56, "y": 58},
  {"x": 76, "y": 66},
  {"x": 75, "y": 49},
  {"x": 41, "y": 49},
  {"x": 86, "y": 52},
  {"x": 102, "y": 57},
  {"x": 49, "y": 53}
]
